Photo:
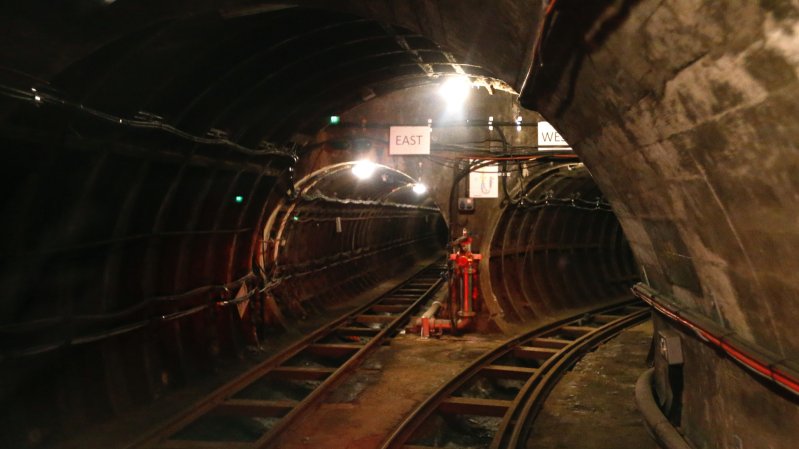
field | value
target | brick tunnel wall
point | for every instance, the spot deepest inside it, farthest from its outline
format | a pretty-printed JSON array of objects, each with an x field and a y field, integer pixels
[{"x": 686, "y": 115}]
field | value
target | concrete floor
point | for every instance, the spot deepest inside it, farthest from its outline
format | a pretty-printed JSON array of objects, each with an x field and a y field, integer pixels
[{"x": 593, "y": 407}]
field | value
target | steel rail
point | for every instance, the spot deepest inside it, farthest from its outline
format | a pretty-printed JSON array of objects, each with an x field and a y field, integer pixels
[
  {"x": 554, "y": 355},
  {"x": 516, "y": 429},
  {"x": 396, "y": 309}
]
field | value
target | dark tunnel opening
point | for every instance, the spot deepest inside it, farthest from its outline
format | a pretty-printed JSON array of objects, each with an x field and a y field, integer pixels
[
  {"x": 558, "y": 245},
  {"x": 340, "y": 235}
]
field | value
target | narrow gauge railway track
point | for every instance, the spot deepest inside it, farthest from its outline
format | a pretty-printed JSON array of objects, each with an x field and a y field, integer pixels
[
  {"x": 254, "y": 409},
  {"x": 492, "y": 402}
]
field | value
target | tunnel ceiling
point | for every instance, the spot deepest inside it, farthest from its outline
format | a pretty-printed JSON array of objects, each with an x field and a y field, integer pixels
[{"x": 249, "y": 77}]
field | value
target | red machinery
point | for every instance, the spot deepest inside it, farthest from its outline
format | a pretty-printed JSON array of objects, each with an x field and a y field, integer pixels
[{"x": 463, "y": 291}]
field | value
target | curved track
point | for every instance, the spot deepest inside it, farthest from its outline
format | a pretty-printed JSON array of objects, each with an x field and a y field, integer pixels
[
  {"x": 493, "y": 402},
  {"x": 251, "y": 411}
]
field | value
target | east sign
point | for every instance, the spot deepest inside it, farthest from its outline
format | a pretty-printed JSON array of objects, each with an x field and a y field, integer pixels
[{"x": 405, "y": 140}]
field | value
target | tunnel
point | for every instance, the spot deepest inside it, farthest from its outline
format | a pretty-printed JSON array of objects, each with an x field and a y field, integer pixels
[
  {"x": 557, "y": 244},
  {"x": 183, "y": 199}
]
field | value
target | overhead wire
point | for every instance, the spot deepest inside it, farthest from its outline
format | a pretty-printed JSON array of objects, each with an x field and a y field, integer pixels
[
  {"x": 71, "y": 321},
  {"x": 145, "y": 121}
]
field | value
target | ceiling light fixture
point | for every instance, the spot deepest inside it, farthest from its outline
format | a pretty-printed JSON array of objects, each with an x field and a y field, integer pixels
[
  {"x": 363, "y": 169},
  {"x": 455, "y": 90}
]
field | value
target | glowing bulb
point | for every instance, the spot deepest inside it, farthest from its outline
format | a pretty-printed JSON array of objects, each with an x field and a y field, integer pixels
[
  {"x": 419, "y": 188},
  {"x": 363, "y": 169},
  {"x": 455, "y": 90}
]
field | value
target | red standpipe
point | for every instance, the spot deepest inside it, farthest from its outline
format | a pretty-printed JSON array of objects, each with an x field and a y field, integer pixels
[{"x": 463, "y": 289}]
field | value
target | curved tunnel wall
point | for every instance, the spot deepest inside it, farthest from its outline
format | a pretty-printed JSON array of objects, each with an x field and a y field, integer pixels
[
  {"x": 708, "y": 129},
  {"x": 343, "y": 236},
  {"x": 115, "y": 273},
  {"x": 557, "y": 246},
  {"x": 686, "y": 116}
]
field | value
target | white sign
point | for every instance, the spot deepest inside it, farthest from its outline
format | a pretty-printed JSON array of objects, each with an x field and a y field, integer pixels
[
  {"x": 484, "y": 182},
  {"x": 409, "y": 140},
  {"x": 549, "y": 139}
]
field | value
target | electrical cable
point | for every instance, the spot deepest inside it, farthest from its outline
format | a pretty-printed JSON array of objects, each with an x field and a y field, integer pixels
[
  {"x": 37, "y": 325},
  {"x": 130, "y": 327},
  {"x": 130, "y": 238},
  {"x": 753, "y": 359},
  {"x": 148, "y": 121},
  {"x": 319, "y": 196}
]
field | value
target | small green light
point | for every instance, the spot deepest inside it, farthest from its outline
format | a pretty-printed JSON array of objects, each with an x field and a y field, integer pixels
[
  {"x": 296, "y": 218},
  {"x": 239, "y": 199},
  {"x": 335, "y": 120}
]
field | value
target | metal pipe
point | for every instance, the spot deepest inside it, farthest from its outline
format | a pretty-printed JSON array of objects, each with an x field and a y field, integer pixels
[
  {"x": 663, "y": 431},
  {"x": 468, "y": 306},
  {"x": 429, "y": 314},
  {"x": 462, "y": 291},
  {"x": 445, "y": 324}
]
